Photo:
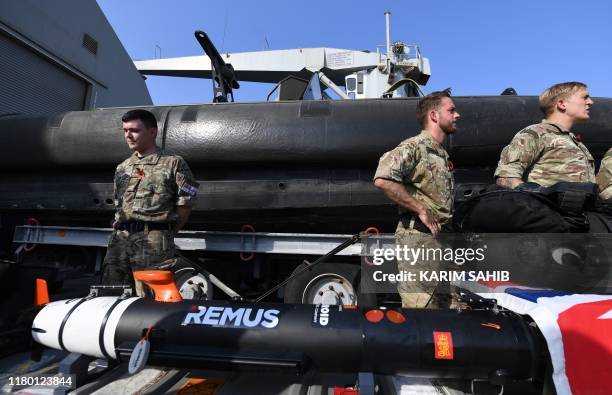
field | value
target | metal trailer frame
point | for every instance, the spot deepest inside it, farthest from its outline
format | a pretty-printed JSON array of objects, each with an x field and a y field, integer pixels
[
  {"x": 243, "y": 242},
  {"x": 335, "y": 282}
]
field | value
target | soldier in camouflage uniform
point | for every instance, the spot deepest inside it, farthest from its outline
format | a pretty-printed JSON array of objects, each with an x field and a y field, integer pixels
[
  {"x": 154, "y": 192},
  {"x": 548, "y": 152},
  {"x": 417, "y": 175},
  {"x": 604, "y": 177}
]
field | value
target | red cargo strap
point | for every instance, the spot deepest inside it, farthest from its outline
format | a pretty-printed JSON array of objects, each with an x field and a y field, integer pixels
[
  {"x": 370, "y": 230},
  {"x": 32, "y": 222},
  {"x": 243, "y": 256}
]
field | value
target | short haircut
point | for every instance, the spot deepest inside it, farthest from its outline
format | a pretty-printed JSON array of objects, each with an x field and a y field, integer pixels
[
  {"x": 550, "y": 97},
  {"x": 146, "y": 117},
  {"x": 428, "y": 103}
]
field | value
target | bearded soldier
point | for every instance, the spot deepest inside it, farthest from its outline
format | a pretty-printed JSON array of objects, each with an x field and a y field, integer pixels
[{"x": 417, "y": 176}]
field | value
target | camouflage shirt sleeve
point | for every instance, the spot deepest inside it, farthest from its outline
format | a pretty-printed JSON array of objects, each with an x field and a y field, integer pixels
[
  {"x": 518, "y": 156},
  {"x": 187, "y": 186},
  {"x": 397, "y": 164},
  {"x": 604, "y": 177},
  {"x": 120, "y": 183}
]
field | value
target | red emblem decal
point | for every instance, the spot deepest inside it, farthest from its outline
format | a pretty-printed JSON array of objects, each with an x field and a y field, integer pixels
[{"x": 443, "y": 345}]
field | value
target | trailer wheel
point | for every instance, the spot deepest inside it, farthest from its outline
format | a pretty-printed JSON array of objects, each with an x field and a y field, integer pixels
[{"x": 328, "y": 283}]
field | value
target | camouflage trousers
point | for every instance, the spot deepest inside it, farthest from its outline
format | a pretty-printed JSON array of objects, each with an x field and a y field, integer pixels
[
  {"x": 128, "y": 252},
  {"x": 418, "y": 293}
]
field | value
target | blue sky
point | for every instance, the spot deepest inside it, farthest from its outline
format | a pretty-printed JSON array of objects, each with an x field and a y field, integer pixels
[{"x": 476, "y": 47}]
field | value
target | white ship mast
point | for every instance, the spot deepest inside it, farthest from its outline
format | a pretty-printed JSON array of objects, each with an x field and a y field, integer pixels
[{"x": 399, "y": 73}]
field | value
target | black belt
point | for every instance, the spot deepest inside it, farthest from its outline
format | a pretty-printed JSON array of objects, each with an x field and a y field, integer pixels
[
  {"x": 139, "y": 226},
  {"x": 406, "y": 219}
]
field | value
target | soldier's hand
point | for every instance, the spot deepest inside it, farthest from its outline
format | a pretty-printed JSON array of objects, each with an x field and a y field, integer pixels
[{"x": 429, "y": 221}]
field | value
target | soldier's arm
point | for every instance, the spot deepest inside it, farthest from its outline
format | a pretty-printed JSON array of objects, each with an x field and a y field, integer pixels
[
  {"x": 397, "y": 193},
  {"x": 183, "y": 213},
  {"x": 522, "y": 152},
  {"x": 508, "y": 182},
  {"x": 187, "y": 189},
  {"x": 604, "y": 177},
  {"x": 393, "y": 167},
  {"x": 118, "y": 198}
]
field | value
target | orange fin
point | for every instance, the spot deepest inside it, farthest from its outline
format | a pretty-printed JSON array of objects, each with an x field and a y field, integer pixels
[{"x": 41, "y": 296}]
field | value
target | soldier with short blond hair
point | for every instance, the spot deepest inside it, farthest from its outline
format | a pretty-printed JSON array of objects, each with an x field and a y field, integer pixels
[
  {"x": 417, "y": 175},
  {"x": 549, "y": 152}
]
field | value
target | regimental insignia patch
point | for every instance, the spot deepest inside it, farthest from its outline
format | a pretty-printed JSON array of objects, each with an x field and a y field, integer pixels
[{"x": 189, "y": 189}]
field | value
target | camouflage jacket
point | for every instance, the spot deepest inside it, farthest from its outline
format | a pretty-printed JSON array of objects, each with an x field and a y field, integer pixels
[
  {"x": 545, "y": 153},
  {"x": 149, "y": 188},
  {"x": 423, "y": 166},
  {"x": 604, "y": 177}
]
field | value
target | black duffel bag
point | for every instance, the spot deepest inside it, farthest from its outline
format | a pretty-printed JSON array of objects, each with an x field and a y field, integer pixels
[
  {"x": 600, "y": 219},
  {"x": 530, "y": 208}
]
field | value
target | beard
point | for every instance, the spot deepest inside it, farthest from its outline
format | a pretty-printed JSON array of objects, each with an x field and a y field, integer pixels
[{"x": 449, "y": 128}]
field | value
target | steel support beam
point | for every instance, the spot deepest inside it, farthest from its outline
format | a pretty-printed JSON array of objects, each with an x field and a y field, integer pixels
[{"x": 266, "y": 243}]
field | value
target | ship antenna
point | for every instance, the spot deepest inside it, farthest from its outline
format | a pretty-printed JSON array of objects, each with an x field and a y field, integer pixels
[{"x": 387, "y": 14}]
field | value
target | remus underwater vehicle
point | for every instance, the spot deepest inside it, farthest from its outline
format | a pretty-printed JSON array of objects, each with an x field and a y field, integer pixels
[{"x": 498, "y": 347}]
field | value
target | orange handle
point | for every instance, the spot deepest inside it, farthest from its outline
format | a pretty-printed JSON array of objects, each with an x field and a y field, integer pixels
[{"x": 162, "y": 284}]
